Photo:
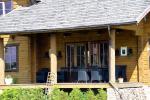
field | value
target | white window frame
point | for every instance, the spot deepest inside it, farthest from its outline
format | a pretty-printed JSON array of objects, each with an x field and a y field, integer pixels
[
  {"x": 3, "y": 6},
  {"x": 124, "y": 51}
]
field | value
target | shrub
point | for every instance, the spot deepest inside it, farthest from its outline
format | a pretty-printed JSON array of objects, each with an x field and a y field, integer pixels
[
  {"x": 58, "y": 94},
  {"x": 102, "y": 95},
  {"x": 23, "y": 94},
  {"x": 76, "y": 94},
  {"x": 90, "y": 95}
]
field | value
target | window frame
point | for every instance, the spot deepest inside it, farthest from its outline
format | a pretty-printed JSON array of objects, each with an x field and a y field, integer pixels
[
  {"x": 17, "y": 58},
  {"x": 4, "y": 7}
]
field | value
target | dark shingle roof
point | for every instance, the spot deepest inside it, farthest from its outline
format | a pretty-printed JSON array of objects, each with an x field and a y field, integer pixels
[{"x": 66, "y": 14}]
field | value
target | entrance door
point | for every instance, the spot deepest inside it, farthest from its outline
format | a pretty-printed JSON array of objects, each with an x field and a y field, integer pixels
[{"x": 76, "y": 55}]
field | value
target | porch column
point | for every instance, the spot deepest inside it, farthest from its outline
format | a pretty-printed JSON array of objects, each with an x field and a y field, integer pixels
[
  {"x": 2, "y": 63},
  {"x": 53, "y": 56},
  {"x": 112, "y": 57},
  {"x": 33, "y": 58}
]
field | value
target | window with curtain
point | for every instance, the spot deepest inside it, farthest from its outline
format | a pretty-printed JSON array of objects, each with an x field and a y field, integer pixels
[
  {"x": 6, "y": 7},
  {"x": 87, "y": 54},
  {"x": 11, "y": 58}
]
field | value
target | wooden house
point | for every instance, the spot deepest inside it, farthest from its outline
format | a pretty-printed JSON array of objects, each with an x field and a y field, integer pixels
[{"x": 88, "y": 41}]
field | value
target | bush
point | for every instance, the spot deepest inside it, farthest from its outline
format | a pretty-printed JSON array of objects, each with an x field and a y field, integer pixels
[
  {"x": 90, "y": 95},
  {"x": 23, "y": 94},
  {"x": 102, "y": 95},
  {"x": 57, "y": 94},
  {"x": 76, "y": 94}
]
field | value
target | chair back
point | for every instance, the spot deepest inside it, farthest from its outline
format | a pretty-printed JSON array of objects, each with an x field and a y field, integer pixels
[
  {"x": 95, "y": 76},
  {"x": 83, "y": 76}
]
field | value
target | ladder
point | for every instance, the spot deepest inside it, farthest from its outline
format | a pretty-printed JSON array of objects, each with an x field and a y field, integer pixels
[
  {"x": 50, "y": 81},
  {"x": 50, "y": 78}
]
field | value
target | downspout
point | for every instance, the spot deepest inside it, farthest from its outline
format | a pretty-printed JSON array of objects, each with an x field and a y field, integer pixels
[{"x": 116, "y": 89}]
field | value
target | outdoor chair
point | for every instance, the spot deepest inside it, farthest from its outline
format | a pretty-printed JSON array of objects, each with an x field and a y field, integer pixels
[
  {"x": 83, "y": 76},
  {"x": 95, "y": 76}
]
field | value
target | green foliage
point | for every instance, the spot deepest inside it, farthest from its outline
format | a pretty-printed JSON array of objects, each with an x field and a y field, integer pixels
[
  {"x": 90, "y": 95},
  {"x": 102, "y": 95},
  {"x": 58, "y": 94},
  {"x": 15, "y": 81},
  {"x": 23, "y": 94},
  {"x": 76, "y": 94}
]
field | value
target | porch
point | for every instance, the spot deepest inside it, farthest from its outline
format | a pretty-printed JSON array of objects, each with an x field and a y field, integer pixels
[
  {"x": 80, "y": 57},
  {"x": 77, "y": 57}
]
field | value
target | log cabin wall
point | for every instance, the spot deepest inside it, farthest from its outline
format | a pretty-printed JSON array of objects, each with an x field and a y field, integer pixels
[
  {"x": 23, "y": 74},
  {"x": 128, "y": 39}
]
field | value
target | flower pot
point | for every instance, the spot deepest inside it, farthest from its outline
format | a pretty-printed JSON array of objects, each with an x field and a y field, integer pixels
[
  {"x": 120, "y": 80},
  {"x": 8, "y": 81}
]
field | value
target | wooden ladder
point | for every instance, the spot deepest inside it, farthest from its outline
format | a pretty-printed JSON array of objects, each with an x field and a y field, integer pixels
[{"x": 50, "y": 79}]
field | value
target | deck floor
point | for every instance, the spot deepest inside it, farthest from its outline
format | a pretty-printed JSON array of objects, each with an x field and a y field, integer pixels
[{"x": 73, "y": 85}]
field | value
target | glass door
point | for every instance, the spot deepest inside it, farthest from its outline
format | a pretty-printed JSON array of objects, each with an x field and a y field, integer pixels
[{"x": 81, "y": 55}]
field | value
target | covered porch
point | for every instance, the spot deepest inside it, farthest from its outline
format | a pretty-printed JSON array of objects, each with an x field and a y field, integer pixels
[
  {"x": 78, "y": 57},
  {"x": 86, "y": 56}
]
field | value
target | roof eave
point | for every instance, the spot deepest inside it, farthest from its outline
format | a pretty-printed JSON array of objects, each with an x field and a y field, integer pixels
[
  {"x": 142, "y": 15},
  {"x": 67, "y": 29}
]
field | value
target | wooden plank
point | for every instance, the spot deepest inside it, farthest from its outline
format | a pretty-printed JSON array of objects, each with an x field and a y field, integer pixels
[
  {"x": 131, "y": 27},
  {"x": 112, "y": 57},
  {"x": 74, "y": 85}
]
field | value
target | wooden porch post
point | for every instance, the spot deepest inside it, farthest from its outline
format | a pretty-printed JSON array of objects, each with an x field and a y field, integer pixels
[
  {"x": 112, "y": 57},
  {"x": 2, "y": 63},
  {"x": 53, "y": 56},
  {"x": 34, "y": 58}
]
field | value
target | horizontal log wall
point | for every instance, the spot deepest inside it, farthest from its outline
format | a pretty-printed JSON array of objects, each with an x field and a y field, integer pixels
[{"x": 23, "y": 75}]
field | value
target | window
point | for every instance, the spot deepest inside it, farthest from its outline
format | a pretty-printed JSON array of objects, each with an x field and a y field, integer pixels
[
  {"x": 75, "y": 55},
  {"x": 99, "y": 54},
  {"x": 11, "y": 58},
  {"x": 5, "y": 7}
]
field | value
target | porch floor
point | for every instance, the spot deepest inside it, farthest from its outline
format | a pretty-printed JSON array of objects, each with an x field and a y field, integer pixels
[{"x": 74, "y": 85}]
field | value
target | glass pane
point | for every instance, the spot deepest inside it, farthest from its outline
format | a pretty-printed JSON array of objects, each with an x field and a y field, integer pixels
[
  {"x": 11, "y": 57},
  {"x": 8, "y": 5},
  {"x": 68, "y": 61},
  {"x": 78, "y": 50},
  {"x": 1, "y": 12},
  {"x": 7, "y": 11},
  {"x": 72, "y": 56},
  {"x": 82, "y": 61},
  {"x": 78, "y": 61},
  {"x": 68, "y": 51},
  {"x": 82, "y": 50},
  {"x": 1, "y": 9},
  {"x": 101, "y": 54},
  {"x": 1, "y": 6}
]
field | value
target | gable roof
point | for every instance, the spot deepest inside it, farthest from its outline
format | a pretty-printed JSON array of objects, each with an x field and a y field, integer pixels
[{"x": 53, "y": 15}]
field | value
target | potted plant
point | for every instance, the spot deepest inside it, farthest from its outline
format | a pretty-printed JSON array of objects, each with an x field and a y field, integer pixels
[
  {"x": 120, "y": 79},
  {"x": 8, "y": 80}
]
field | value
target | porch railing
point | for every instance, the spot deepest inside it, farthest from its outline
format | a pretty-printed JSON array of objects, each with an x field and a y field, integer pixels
[{"x": 89, "y": 75}]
